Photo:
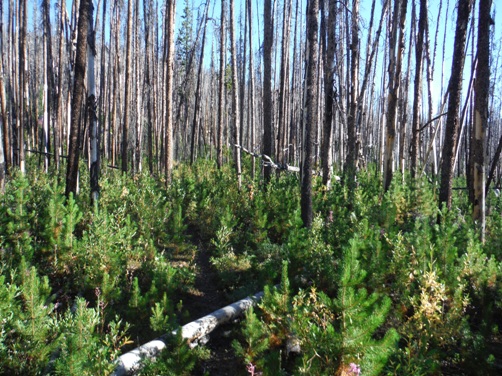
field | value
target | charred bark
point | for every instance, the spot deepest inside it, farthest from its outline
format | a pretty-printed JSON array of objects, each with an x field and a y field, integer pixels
[
  {"x": 268, "y": 111},
  {"x": 311, "y": 109},
  {"x": 417, "y": 90},
  {"x": 455, "y": 90},
  {"x": 481, "y": 108},
  {"x": 78, "y": 97}
]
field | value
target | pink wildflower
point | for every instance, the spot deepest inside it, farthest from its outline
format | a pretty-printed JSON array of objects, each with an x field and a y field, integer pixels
[
  {"x": 354, "y": 369},
  {"x": 251, "y": 368}
]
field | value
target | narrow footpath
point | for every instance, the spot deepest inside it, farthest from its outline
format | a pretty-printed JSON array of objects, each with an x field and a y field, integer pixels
[{"x": 204, "y": 299}]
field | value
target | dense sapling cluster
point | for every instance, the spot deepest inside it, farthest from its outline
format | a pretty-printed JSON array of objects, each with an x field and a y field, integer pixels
[{"x": 377, "y": 285}]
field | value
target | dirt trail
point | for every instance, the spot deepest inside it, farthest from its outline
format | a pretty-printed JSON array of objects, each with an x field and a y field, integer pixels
[{"x": 204, "y": 299}]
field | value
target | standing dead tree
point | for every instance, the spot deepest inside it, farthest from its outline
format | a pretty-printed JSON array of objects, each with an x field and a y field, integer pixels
[
  {"x": 235, "y": 96},
  {"x": 478, "y": 138},
  {"x": 455, "y": 91},
  {"x": 284, "y": 84},
  {"x": 396, "y": 46},
  {"x": 221, "y": 88},
  {"x": 268, "y": 110},
  {"x": 168, "y": 136},
  {"x": 417, "y": 90},
  {"x": 328, "y": 39},
  {"x": 311, "y": 108},
  {"x": 4, "y": 136},
  {"x": 128, "y": 87},
  {"x": 91, "y": 110},
  {"x": 78, "y": 97}
]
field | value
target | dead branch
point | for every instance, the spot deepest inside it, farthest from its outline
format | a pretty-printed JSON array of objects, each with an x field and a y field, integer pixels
[{"x": 268, "y": 162}]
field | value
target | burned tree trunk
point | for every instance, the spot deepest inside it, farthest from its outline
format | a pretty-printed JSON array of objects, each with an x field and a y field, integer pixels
[
  {"x": 481, "y": 88},
  {"x": 351, "y": 161},
  {"x": 22, "y": 117},
  {"x": 49, "y": 93},
  {"x": 221, "y": 88},
  {"x": 455, "y": 91},
  {"x": 198, "y": 87},
  {"x": 417, "y": 90},
  {"x": 78, "y": 97},
  {"x": 268, "y": 111},
  {"x": 329, "y": 87},
  {"x": 395, "y": 64},
  {"x": 311, "y": 112},
  {"x": 235, "y": 96},
  {"x": 284, "y": 80},
  {"x": 170, "y": 12},
  {"x": 91, "y": 110},
  {"x": 4, "y": 137},
  {"x": 251, "y": 87},
  {"x": 128, "y": 87}
]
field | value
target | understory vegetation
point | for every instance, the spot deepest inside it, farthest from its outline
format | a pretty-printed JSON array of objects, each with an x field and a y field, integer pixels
[{"x": 382, "y": 284}]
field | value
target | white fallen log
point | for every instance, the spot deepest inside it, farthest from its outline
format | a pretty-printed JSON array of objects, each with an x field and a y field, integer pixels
[{"x": 193, "y": 332}]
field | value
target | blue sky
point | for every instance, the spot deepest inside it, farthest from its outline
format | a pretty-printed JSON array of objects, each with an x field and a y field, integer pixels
[{"x": 447, "y": 21}]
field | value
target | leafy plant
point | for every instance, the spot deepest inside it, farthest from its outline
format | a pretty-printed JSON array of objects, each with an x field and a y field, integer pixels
[{"x": 85, "y": 350}]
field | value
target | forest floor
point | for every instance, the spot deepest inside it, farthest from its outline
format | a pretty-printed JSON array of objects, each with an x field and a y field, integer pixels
[{"x": 203, "y": 299}]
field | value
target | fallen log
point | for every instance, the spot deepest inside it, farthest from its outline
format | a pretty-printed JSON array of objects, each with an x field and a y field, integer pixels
[{"x": 193, "y": 332}]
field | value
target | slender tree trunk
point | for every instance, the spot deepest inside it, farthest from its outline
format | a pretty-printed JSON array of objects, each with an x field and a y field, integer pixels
[
  {"x": 78, "y": 97},
  {"x": 268, "y": 110},
  {"x": 235, "y": 97},
  {"x": 371, "y": 53},
  {"x": 22, "y": 118},
  {"x": 2, "y": 164},
  {"x": 311, "y": 109},
  {"x": 482, "y": 89},
  {"x": 353, "y": 96},
  {"x": 49, "y": 89},
  {"x": 13, "y": 67},
  {"x": 221, "y": 88},
  {"x": 284, "y": 83},
  {"x": 103, "y": 112},
  {"x": 156, "y": 87},
  {"x": 198, "y": 87},
  {"x": 128, "y": 87},
  {"x": 60, "y": 98},
  {"x": 4, "y": 135},
  {"x": 417, "y": 90},
  {"x": 295, "y": 68},
  {"x": 455, "y": 90},
  {"x": 493, "y": 168},
  {"x": 329, "y": 87},
  {"x": 242, "y": 87},
  {"x": 404, "y": 99},
  {"x": 147, "y": 19},
  {"x": 430, "y": 75},
  {"x": 138, "y": 166},
  {"x": 114, "y": 130},
  {"x": 251, "y": 88},
  {"x": 5, "y": 139},
  {"x": 47, "y": 105},
  {"x": 168, "y": 136},
  {"x": 91, "y": 108},
  {"x": 395, "y": 64}
]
